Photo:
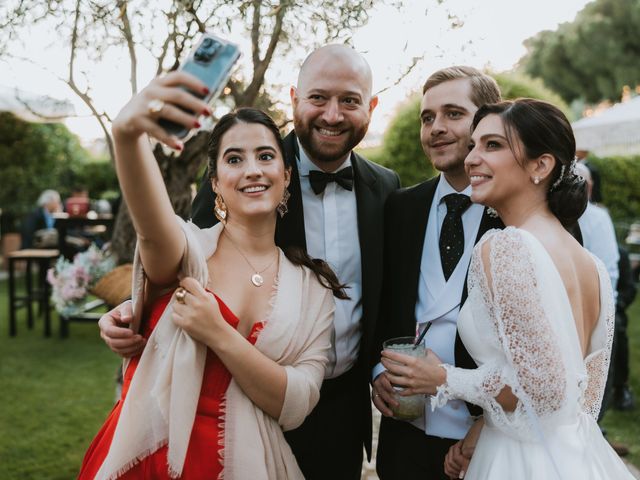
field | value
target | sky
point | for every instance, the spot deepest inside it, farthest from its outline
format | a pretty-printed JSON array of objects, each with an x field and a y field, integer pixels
[{"x": 490, "y": 35}]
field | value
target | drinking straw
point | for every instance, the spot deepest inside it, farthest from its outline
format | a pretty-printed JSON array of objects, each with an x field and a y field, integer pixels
[{"x": 421, "y": 336}]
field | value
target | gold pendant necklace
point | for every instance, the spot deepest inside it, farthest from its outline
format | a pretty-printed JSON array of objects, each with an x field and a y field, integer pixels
[{"x": 256, "y": 279}]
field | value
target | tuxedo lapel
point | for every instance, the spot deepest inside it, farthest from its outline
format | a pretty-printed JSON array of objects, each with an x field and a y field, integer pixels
[
  {"x": 368, "y": 217},
  {"x": 290, "y": 228},
  {"x": 416, "y": 221},
  {"x": 369, "y": 205}
]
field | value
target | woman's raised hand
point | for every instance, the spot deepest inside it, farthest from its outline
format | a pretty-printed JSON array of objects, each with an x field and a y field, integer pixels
[{"x": 162, "y": 98}]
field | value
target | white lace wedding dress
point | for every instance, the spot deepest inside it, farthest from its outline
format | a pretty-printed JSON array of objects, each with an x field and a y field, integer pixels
[{"x": 521, "y": 333}]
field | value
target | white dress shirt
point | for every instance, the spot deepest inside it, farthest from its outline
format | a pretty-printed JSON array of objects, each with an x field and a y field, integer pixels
[
  {"x": 599, "y": 237},
  {"x": 331, "y": 230}
]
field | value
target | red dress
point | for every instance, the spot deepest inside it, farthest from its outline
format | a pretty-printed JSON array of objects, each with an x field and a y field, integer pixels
[{"x": 203, "y": 459}]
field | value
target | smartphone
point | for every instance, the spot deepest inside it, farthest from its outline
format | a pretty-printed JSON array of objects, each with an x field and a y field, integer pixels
[{"x": 210, "y": 61}]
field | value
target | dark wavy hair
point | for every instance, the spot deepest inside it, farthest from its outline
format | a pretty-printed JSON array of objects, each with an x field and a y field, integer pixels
[
  {"x": 542, "y": 128},
  {"x": 296, "y": 255}
]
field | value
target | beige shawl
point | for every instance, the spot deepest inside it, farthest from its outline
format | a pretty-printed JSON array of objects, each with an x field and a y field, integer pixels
[{"x": 160, "y": 406}]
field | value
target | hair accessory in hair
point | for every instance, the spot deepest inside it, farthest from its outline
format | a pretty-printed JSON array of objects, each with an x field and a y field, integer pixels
[
  {"x": 572, "y": 166},
  {"x": 560, "y": 178}
]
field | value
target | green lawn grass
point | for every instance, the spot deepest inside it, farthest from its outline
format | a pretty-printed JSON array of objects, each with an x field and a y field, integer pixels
[
  {"x": 55, "y": 393},
  {"x": 625, "y": 426}
]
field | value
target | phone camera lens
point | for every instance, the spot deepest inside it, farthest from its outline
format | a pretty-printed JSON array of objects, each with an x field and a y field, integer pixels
[{"x": 207, "y": 50}]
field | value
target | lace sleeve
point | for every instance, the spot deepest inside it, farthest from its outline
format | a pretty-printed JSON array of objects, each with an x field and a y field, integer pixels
[
  {"x": 597, "y": 361},
  {"x": 503, "y": 270}
]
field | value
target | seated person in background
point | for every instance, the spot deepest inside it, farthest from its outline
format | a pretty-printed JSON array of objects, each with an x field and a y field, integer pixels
[
  {"x": 38, "y": 227},
  {"x": 78, "y": 204}
]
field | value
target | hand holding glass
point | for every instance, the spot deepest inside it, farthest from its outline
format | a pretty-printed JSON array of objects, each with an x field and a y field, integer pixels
[{"x": 412, "y": 406}]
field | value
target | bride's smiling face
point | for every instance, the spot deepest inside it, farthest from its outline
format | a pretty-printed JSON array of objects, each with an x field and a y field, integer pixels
[{"x": 495, "y": 173}]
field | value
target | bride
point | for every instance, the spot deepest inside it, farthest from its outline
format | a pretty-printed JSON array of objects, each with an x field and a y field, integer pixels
[{"x": 538, "y": 320}]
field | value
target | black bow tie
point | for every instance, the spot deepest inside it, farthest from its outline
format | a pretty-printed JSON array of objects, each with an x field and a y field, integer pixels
[{"x": 319, "y": 179}]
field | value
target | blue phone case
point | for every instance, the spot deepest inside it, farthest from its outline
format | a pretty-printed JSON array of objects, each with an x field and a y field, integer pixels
[{"x": 210, "y": 61}]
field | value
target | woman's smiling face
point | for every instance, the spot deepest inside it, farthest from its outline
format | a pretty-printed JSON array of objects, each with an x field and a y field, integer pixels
[
  {"x": 495, "y": 173},
  {"x": 251, "y": 175}
]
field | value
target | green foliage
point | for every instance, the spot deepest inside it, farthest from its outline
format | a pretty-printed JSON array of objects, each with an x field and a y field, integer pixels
[
  {"x": 624, "y": 427},
  {"x": 592, "y": 57},
  {"x": 620, "y": 177},
  {"x": 517, "y": 85},
  {"x": 99, "y": 178},
  {"x": 34, "y": 157},
  {"x": 402, "y": 150}
]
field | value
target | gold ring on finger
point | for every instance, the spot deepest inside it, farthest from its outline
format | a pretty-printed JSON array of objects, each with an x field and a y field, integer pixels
[
  {"x": 155, "y": 106},
  {"x": 181, "y": 294}
]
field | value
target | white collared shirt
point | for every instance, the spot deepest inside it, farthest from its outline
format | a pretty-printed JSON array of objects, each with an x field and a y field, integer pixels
[
  {"x": 599, "y": 237},
  {"x": 331, "y": 231}
]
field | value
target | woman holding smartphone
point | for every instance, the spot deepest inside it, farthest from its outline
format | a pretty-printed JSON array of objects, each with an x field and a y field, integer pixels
[{"x": 236, "y": 353}]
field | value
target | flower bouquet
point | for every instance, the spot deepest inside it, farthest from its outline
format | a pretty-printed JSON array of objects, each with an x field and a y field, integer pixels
[{"x": 71, "y": 281}]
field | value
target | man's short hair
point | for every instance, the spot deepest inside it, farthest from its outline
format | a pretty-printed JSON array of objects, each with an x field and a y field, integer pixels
[{"x": 484, "y": 89}]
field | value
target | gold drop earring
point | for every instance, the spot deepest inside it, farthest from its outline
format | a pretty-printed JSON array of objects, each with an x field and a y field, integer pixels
[
  {"x": 282, "y": 207},
  {"x": 220, "y": 209}
]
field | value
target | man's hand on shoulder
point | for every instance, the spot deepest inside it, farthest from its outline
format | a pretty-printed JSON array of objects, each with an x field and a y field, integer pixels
[{"x": 116, "y": 332}]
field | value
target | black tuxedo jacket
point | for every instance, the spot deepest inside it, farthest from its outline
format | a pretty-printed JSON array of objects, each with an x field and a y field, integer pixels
[
  {"x": 406, "y": 216},
  {"x": 372, "y": 184}
]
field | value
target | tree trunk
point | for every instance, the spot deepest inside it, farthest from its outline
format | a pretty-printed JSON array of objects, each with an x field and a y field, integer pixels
[{"x": 179, "y": 172}]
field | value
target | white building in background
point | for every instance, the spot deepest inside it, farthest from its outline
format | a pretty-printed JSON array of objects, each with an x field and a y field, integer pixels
[
  {"x": 612, "y": 132},
  {"x": 34, "y": 108}
]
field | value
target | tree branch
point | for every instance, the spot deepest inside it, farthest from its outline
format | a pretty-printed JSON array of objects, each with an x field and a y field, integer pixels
[
  {"x": 251, "y": 92},
  {"x": 31, "y": 110},
  {"x": 83, "y": 95},
  {"x": 128, "y": 36},
  {"x": 255, "y": 34},
  {"x": 407, "y": 71},
  {"x": 201, "y": 26}
]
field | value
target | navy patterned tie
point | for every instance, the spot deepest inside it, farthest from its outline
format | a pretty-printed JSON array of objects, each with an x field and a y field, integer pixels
[{"x": 452, "y": 232}]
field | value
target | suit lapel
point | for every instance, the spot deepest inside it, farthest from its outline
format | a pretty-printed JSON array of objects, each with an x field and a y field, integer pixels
[
  {"x": 417, "y": 217},
  {"x": 368, "y": 215},
  {"x": 290, "y": 228}
]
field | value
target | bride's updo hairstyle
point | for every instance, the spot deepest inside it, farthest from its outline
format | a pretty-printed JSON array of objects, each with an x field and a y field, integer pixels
[{"x": 542, "y": 128}]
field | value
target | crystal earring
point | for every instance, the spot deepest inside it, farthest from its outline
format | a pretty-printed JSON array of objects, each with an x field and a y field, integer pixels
[
  {"x": 536, "y": 180},
  {"x": 282, "y": 207},
  {"x": 220, "y": 209}
]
